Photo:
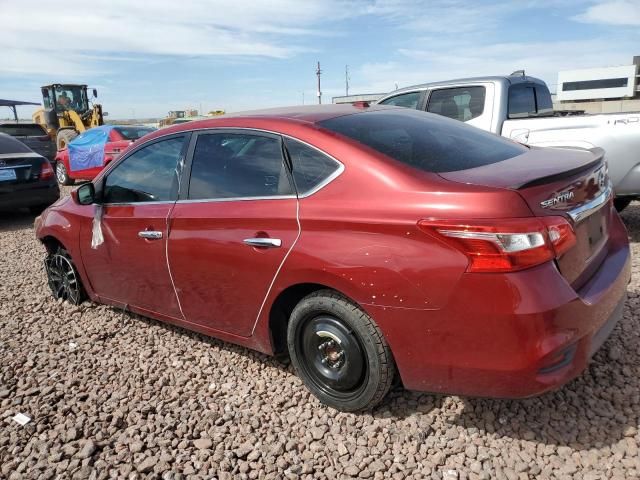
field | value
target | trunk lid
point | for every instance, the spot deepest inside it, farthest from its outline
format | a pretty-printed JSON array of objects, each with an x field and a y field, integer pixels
[
  {"x": 19, "y": 169},
  {"x": 571, "y": 183}
]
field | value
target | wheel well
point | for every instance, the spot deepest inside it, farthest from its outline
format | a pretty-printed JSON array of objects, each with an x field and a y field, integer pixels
[
  {"x": 51, "y": 244},
  {"x": 281, "y": 311}
]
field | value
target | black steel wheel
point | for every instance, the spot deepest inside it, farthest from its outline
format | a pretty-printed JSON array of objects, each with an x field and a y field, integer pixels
[
  {"x": 63, "y": 277},
  {"x": 339, "y": 352}
]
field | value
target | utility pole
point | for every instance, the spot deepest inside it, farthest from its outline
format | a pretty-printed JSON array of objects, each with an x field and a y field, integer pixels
[
  {"x": 318, "y": 73},
  {"x": 346, "y": 79},
  {"x": 303, "y": 97}
]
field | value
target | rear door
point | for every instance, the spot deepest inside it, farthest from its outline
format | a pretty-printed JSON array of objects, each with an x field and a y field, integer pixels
[
  {"x": 234, "y": 228},
  {"x": 130, "y": 266}
]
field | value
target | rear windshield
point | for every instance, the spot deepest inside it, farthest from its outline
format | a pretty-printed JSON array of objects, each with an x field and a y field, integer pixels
[
  {"x": 424, "y": 141},
  {"x": 28, "y": 130},
  {"x": 11, "y": 145},
  {"x": 133, "y": 133}
]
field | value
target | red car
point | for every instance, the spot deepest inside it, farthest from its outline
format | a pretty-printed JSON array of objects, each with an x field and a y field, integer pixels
[
  {"x": 116, "y": 139},
  {"x": 364, "y": 242}
]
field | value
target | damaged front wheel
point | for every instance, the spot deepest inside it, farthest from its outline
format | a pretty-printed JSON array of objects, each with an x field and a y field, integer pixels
[{"x": 63, "y": 277}]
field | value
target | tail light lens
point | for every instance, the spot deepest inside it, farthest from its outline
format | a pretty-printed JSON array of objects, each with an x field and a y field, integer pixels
[
  {"x": 46, "y": 170},
  {"x": 505, "y": 245}
]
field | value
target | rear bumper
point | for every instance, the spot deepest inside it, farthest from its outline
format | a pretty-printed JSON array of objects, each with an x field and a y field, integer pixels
[
  {"x": 511, "y": 336},
  {"x": 29, "y": 195}
]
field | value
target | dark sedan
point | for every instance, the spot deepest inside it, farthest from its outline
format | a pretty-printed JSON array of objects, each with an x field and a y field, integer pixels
[
  {"x": 33, "y": 136},
  {"x": 26, "y": 178}
]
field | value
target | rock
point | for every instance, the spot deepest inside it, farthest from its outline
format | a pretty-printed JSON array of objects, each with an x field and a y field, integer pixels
[
  {"x": 146, "y": 465},
  {"x": 87, "y": 450},
  {"x": 203, "y": 443}
]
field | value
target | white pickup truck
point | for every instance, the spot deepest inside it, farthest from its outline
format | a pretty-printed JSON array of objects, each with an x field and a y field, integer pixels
[{"x": 519, "y": 107}]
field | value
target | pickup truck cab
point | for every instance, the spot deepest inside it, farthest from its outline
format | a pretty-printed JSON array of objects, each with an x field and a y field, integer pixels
[{"x": 519, "y": 107}]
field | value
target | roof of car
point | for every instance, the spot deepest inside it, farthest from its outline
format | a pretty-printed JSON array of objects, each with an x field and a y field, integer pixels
[
  {"x": 309, "y": 113},
  {"x": 306, "y": 114}
]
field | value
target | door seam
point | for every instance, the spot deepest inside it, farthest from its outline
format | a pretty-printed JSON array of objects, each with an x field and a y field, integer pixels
[{"x": 273, "y": 280}]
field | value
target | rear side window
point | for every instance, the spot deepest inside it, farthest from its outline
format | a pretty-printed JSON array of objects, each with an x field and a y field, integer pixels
[
  {"x": 237, "y": 165},
  {"x": 522, "y": 101},
  {"x": 409, "y": 100},
  {"x": 310, "y": 167},
  {"x": 426, "y": 142},
  {"x": 147, "y": 175},
  {"x": 23, "y": 130},
  {"x": 463, "y": 103},
  {"x": 9, "y": 144},
  {"x": 544, "y": 106}
]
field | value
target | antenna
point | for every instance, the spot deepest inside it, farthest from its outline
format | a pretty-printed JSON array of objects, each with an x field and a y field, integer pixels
[
  {"x": 346, "y": 79},
  {"x": 318, "y": 73}
]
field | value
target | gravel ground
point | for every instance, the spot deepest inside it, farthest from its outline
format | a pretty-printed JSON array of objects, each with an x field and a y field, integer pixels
[{"x": 115, "y": 395}]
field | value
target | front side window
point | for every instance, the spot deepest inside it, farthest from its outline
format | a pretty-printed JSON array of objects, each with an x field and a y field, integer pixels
[
  {"x": 422, "y": 141},
  {"x": 409, "y": 100},
  {"x": 238, "y": 165},
  {"x": 71, "y": 97},
  {"x": 149, "y": 174},
  {"x": 310, "y": 167},
  {"x": 462, "y": 103},
  {"x": 522, "y": 101}
]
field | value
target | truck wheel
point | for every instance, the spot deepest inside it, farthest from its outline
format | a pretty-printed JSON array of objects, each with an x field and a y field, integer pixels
[
  {"x": 621, "y": 203},
  {"x": 62, "y": 175},
  {"x": 339, "y": 352},
  {"x": 64, "y": 137}
]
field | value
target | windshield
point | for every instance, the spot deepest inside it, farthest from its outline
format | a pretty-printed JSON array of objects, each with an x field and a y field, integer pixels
[
  {"x": 71, "y": 97},
  {"x": 424, "y": 141},
  {"x": 133, "y": 133}
]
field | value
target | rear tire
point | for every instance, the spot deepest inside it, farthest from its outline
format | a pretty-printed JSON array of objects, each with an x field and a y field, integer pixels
[
  {"x": 64, "y": 137},
  {"x": 63, "y": 277},
  {"x": 621, "y": 203},
  {"x": 62, "y": 175},
  {"x": 339, "y": 352}
]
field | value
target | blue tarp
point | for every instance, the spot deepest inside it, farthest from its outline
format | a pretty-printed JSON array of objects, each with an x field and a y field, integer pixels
[{"x": 87, "y": 149}]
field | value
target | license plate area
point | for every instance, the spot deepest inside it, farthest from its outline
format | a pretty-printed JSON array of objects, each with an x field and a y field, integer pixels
[
  {"x": 596, "y": 228},
  {"x": 7, "y": 174}
]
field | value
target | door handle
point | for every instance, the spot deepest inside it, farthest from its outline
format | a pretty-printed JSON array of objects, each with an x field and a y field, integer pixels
[
  {"x": 150, "y": 235},
  {"x": 263, "y": 242}
]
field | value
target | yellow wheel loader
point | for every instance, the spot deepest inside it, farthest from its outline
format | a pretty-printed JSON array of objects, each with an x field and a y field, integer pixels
[{"x": 67, "y": 112}]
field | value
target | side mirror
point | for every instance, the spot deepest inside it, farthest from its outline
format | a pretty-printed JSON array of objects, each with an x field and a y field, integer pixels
[
  {"x": 95, "y": 93},
  {"x": 105, "y": 114},
  {"x": 85, "y": 194}
]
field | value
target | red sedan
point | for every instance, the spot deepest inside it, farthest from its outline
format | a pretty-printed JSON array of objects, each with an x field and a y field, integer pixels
[
  {"x": 116, "y": 138},
  {"x": 365, "y": 242}
]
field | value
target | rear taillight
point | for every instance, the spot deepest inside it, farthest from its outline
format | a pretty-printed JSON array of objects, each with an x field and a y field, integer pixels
[
  {"x": 505, "y": 245},
  {"x": 46, "y": 171}
]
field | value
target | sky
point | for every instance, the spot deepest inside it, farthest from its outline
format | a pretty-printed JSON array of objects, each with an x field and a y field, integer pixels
[{"x": 146, "y": 58}]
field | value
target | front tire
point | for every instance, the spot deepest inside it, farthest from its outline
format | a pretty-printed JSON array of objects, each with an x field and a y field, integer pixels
[
  {"x": 64, "y": 137},
  {"x": 62, "y": 175},
  {"x": 63, "y": 277},
  {"x": 339, "y": 352}
]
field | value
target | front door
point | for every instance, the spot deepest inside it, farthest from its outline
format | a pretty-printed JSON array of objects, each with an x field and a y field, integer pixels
[
  {"x": 130, "y": 266},
  {"x": 232, "y": 232}
]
